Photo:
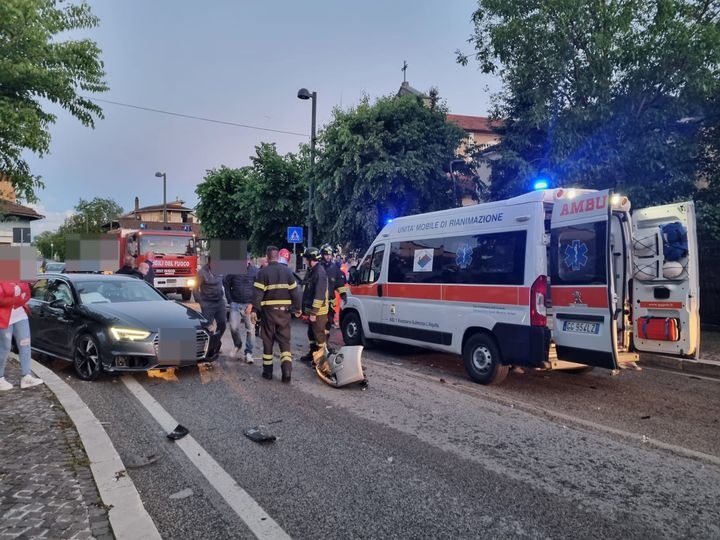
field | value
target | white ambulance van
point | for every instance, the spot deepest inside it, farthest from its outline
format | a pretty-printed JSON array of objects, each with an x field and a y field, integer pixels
[{"x": 554, "y": 279}]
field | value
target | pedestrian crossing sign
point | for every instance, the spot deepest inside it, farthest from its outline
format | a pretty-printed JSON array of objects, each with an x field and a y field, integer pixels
[{"x": 295, "y": 235}]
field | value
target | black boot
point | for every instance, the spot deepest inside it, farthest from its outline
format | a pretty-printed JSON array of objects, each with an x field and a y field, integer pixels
[
  {"x": 307, "y": 357},
  {"x": 267, "y": 372},
  {"x": 286, "y": 368}
]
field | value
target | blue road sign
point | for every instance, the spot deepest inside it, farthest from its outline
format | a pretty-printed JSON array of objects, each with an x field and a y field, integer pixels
[{"x": 295, "y": 235}]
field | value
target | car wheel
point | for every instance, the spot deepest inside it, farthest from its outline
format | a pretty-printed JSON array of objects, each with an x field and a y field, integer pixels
[
  {"x": 87, "y": 361},
  {"x": 351, "y": 328},
  {"x": 186, "y": 294},
  {"x": 482, "y": 360}
]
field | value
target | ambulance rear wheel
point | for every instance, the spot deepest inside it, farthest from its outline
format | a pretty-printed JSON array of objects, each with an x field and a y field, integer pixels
[
  {"x": 351, "y": 328},
  {"x": 482, "y": 360}
]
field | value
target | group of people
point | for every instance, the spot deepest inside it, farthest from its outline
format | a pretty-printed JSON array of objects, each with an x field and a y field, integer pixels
[
  {"x": 144, "y": 270},
  {"x": 14, "y": 296},
  {"x": 270, "y": 293}
]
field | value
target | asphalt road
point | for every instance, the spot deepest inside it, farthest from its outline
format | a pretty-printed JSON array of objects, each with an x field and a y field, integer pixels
[{"x": 425, "y": 453}]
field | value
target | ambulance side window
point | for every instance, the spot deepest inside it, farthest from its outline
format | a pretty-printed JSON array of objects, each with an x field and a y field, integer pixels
[
  {"x": 579, "y": 254},
  {"x": 372, "y": 264}
]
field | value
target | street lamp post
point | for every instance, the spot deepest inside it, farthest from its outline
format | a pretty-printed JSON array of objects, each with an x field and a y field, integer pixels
[
  {"x": 52, "y": 251},
  {"x": 164, "y": 177},
  {"x": 303, "y": 93}
]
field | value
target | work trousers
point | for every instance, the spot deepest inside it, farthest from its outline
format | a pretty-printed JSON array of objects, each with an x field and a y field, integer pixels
[
  {"x": 217, "y": 312},
  {"x": 275, "y": 326}
]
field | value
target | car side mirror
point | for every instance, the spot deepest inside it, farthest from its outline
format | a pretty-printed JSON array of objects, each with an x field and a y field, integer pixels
[{"x": 61, "y": 303}]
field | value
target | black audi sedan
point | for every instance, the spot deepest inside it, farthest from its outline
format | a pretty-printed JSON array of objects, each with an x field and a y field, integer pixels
[{"x": 114, "y": 323}]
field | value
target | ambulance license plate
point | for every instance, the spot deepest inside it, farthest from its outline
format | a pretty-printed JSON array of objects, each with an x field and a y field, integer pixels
[{"x": 581, "y": 327}]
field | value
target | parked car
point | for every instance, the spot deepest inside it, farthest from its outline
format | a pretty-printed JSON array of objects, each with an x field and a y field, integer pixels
[
  {"x": 114, "y": 323},
  {"x": 55, "y": 267}
]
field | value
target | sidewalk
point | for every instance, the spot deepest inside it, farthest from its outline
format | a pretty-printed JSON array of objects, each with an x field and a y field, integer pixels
[
  {"x": 46, "y": 485},
  {"x": 708, "y": 365}
]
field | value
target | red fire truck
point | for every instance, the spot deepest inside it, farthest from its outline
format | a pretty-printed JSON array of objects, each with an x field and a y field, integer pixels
[{"x": 175, "y": 262}]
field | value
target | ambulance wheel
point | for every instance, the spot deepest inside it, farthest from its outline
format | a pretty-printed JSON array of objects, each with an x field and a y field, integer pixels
[
  {"x": 352, "y": 329},
  {"x": 482, "y": 360}
]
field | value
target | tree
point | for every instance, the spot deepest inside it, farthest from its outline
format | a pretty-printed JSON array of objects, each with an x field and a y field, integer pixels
[
  {"x": 382, "y": 160},
  {"x": 50, "y": 243},
  {"x": 90, "y": 216},
  {"x": 35, "y": 65},
  {"x": 256, "y": 203},
  {"x": 275, "y": 198},
  {"x": 602, "y": 94},
  {"x": 221, "y": 212}
]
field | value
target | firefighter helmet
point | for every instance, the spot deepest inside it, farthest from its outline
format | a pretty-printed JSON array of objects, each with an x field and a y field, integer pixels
[
  {"x": 312, "y": 254},
  {"x": 284, "y": 254},
  {"x": 326, "y": 249}
]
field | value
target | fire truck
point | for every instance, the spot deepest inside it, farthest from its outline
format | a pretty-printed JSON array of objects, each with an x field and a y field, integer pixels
[{"x": 175, "y": 263}]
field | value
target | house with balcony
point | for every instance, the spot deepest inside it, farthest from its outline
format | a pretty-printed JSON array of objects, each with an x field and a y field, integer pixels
[{"x": 15, "y": 218}]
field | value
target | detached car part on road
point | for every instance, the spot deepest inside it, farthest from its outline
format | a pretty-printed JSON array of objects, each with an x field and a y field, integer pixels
[{"x": 114, "y": 323}]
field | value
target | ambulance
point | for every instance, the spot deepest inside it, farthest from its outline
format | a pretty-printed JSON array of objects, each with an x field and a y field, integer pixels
[{"x": 553, "y": 279}]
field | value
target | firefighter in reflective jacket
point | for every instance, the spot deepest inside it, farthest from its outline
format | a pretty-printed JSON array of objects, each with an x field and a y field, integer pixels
[
  {"x": 277, "y": 296},
  {"x": 315, "y": 305},
  {"x": 337, "y": 284}
]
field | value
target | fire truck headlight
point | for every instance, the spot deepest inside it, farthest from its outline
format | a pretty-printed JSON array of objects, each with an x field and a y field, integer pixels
[{"x": 191, "y": 282}]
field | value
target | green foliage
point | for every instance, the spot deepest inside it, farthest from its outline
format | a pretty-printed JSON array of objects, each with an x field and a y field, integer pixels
[
  {"x": 90, "y": 216},
  {"x": 35, "y": 65},
  {"x": 50, "y": 243},
  {"x": 220, "y": 211},
  {"x": 256, "y": 203},
  {"x": 381, "y": 160},
  {"x": 601, "y": 94},
  {"x": 275, "y": 198}
]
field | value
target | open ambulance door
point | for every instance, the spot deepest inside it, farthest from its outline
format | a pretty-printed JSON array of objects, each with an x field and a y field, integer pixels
[
  {"x": 581, "y": 287},
  {"x": 666, "y": 301}
]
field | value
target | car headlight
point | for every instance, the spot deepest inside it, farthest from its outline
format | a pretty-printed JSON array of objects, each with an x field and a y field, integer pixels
[
  {"x": 128, "y": 334},
  {"x": 191, "y": 282}
]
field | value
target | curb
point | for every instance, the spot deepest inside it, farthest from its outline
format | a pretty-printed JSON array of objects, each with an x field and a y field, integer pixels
[
  {"x": 704, "y": 368},
  {"x": 128, "y": 517}
]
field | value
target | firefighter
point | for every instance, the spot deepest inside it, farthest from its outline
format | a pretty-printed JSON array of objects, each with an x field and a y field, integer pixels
[
  {"x": 277, "y": 296},
  {"x": 337, "y": 283},
  {"x": 315, "y": 306}
]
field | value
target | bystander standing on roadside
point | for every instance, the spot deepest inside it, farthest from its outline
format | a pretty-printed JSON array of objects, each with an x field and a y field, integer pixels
[
  {"x": 14, "y": 297},
  {"x": 210, "y": 296},
  {"x": 276, "y": 297},
  {"x": 128, "y": 269},
  {"x": 239, "y": 291},
  {"x": 144, "y": 269}
]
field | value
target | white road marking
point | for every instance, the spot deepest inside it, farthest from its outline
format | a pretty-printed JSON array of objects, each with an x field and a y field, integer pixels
[
  {"x": 259, "y": 521},
  {"x": 684, "y": 373}
]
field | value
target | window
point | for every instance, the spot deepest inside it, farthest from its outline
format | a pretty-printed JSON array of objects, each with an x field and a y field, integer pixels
[
  {"x": 492, "y": 259},
  {"x": 579, "y": 254},
  {"x": 59, "y": 290},
  {"x": 370, "y": 267},
  {"x": 39, "y": 289},
  {"x": 21, "y": 235}
]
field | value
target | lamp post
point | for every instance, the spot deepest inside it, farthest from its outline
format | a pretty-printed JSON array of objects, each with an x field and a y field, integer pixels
[
  {"x": 52, "y": 251},
  {"x": 303, "y": 93},
  {"x": 164, "y": 177}
]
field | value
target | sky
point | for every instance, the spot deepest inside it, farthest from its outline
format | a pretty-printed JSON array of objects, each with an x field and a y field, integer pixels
[{"x": 240, "y": 61}]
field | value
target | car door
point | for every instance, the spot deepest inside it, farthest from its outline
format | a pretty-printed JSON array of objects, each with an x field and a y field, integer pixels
[
  {"x": 666, "y": 292},
  {"x": 56, "y": 322},
  {"x": 37, "y": 313},
  {"x": 583, "y": 299}
]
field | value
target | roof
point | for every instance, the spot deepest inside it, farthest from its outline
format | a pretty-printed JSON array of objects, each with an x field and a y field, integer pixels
[
  {"x": 405, "y": 89},
  {"x": 13, "y": 209},
  {"x": 174, "y": 206},
  {"x": 476, "y": 124}
]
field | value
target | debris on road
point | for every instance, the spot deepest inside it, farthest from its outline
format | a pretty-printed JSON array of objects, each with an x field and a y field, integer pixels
[
  {"x": 259, "y": 435},
  {"x": 178, "y": 433},
  {"x": 182, "y": 494}
]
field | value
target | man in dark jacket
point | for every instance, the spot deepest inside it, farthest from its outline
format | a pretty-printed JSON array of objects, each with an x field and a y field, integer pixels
[
  {"x": 209, "y": 294},
  {"x": 315, "y": 306},
  {"x": 150, "y": 276},
  {"x": 128, "y": 268},
  {"x": 239, "y": 291},
  {"x": 276, "y": 297},
  {"x": 337, "y": 284}
]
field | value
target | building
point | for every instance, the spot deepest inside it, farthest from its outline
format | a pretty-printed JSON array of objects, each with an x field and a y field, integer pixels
[
  {"x": 14, "y": 218},
  {"x": 179, "y": 217}
]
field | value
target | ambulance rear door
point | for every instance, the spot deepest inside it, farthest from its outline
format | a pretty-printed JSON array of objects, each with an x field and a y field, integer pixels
[
  {"x": 583, "y": 299},
  {"x": 666, "y": 301}
]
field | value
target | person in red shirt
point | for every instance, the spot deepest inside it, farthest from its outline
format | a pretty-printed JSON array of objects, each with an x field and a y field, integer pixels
[{"x": 14, "y": 297}]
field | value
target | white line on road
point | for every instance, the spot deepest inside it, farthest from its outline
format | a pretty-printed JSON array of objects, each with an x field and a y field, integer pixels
[{"x": 259, "y": 521}]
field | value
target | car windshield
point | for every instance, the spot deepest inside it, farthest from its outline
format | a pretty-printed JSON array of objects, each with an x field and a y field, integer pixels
[
  {"x": 55, "y": 267},
  {"x": 116, "y": 291},
  {"x": 167, "y": 245}
]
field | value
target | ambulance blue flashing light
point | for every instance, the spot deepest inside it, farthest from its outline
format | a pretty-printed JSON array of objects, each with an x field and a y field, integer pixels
[
  {"x": 541, "y": 183},
  {"x": 388, "y": 221}
]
